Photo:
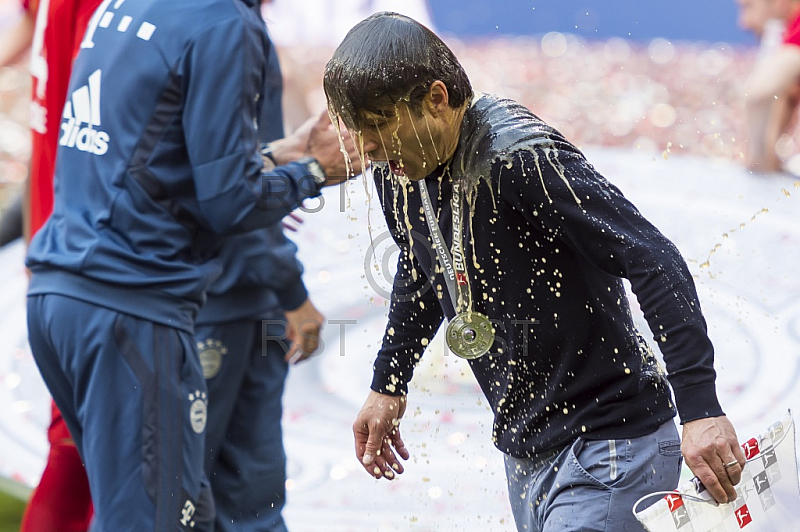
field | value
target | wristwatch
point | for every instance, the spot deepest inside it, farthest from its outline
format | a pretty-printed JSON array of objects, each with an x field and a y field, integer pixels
[
  {"x": 268, "y": 157},
  {"x": 315, "y": 170}
]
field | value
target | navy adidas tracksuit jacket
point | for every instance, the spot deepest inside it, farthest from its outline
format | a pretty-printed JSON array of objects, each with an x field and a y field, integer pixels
[{"x": 149, "y": 180}]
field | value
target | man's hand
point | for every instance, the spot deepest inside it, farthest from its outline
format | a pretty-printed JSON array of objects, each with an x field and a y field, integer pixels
[
  {"x": 708, "y": 445},
  {"x": 318, "y": 138},
  {"x": 304, "y": 325},
  {"x": 324, "y": 145},
  {"x": 377, "y": 435}
]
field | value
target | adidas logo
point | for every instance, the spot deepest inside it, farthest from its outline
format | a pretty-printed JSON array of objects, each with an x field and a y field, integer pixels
[{"x": 81, "y": 115}]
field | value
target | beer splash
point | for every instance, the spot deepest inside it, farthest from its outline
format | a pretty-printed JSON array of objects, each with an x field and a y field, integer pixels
[
  {"x": 706, "y": 265},
  {"x": 358, "y": 142}
]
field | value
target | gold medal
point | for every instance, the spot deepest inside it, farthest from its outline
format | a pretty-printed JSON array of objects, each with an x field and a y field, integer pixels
[{"x": 470, "y": 335}]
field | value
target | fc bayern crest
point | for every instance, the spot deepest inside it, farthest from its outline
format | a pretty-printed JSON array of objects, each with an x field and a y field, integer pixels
[
  {"x": 211, "y": 352},
  {"x": 198, "y": 411}
]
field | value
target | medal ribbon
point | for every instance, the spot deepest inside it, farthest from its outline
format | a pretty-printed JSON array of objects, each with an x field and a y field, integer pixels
[{"x": 455, "y": 271}]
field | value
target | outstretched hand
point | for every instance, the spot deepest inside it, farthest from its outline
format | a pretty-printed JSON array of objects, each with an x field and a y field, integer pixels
[
  {"x": 377, "y": 435},
  {"x": 324, "y": 144},
  {"x": 712, "y": 452},
  {"x": 317, "y": 138}
]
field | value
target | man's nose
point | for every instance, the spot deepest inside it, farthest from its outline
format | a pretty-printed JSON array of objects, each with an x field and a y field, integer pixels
[{"x": 370, "y": 144}]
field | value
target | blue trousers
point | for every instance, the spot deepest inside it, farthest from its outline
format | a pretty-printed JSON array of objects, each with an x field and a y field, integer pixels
[
  {"x": 133, "y": 396},
  {"x": 592, "y": 485},
  {"x": 245, "y": 459}
]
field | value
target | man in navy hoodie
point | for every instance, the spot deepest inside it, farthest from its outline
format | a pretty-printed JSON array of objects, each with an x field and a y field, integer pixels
[
  {"x": 523, "y": 246},
  {"x": 158, "y": 161}
]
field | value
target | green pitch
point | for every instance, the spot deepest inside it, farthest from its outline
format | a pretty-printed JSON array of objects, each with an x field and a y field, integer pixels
[{"x": 11, "y": 510}]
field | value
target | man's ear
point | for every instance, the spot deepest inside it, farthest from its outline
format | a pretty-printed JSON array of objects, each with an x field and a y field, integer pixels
[{"x": 437, "y": 98}]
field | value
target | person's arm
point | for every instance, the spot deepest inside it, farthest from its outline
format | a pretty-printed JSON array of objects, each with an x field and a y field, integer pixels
[
  {"x": 769, "y": 105},
  {"x": 17, "y": 39},
  {"x": 282, "y": 273},
  {"x": 414, "y": 317},
  {"x": 562, "y": 194},
  {"x": 221, "y": 79},
  {"x": 415, "y": 313}
]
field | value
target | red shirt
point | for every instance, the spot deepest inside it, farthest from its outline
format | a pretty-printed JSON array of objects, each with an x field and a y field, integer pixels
[
  {"x": 56, "y": 42},
  {"x": 792, "y": 33}
]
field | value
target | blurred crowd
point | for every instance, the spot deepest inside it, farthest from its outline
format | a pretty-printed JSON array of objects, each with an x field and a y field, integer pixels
[{"x": 660, "y": 97}]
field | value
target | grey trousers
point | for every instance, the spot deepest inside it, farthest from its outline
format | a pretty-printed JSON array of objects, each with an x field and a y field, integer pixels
[{"x": 592, "y": 485}]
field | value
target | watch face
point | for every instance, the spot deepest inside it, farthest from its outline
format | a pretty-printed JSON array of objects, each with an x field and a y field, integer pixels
[
  {"x": 319, "y": 173},
  {"x": 316, "y": 170}
]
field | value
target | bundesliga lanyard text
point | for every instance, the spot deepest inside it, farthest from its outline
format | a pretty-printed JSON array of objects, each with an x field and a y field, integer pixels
[{"x": 470, "y": 334}]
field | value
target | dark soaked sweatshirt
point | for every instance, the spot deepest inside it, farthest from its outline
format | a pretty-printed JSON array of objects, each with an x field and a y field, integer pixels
[{"x": 548, "y": 241}]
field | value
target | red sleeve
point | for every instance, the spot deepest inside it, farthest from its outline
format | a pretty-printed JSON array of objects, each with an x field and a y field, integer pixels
[
  {"x": 63, "y": 33},
  {"x": 792, "y": 34}
]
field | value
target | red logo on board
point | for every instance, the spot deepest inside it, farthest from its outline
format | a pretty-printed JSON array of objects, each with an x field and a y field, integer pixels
[
  {"x": 743, "y": 516},
  {"x": 674, "y": 501},
  {"x": 750, "y": 448}
]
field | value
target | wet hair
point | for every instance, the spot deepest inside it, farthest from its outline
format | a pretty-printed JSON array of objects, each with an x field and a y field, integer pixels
[{"x": 386, "y": 58}]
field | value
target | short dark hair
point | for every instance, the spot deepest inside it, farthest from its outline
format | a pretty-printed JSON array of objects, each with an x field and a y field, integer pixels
[{"x": 386, "y": 58}]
